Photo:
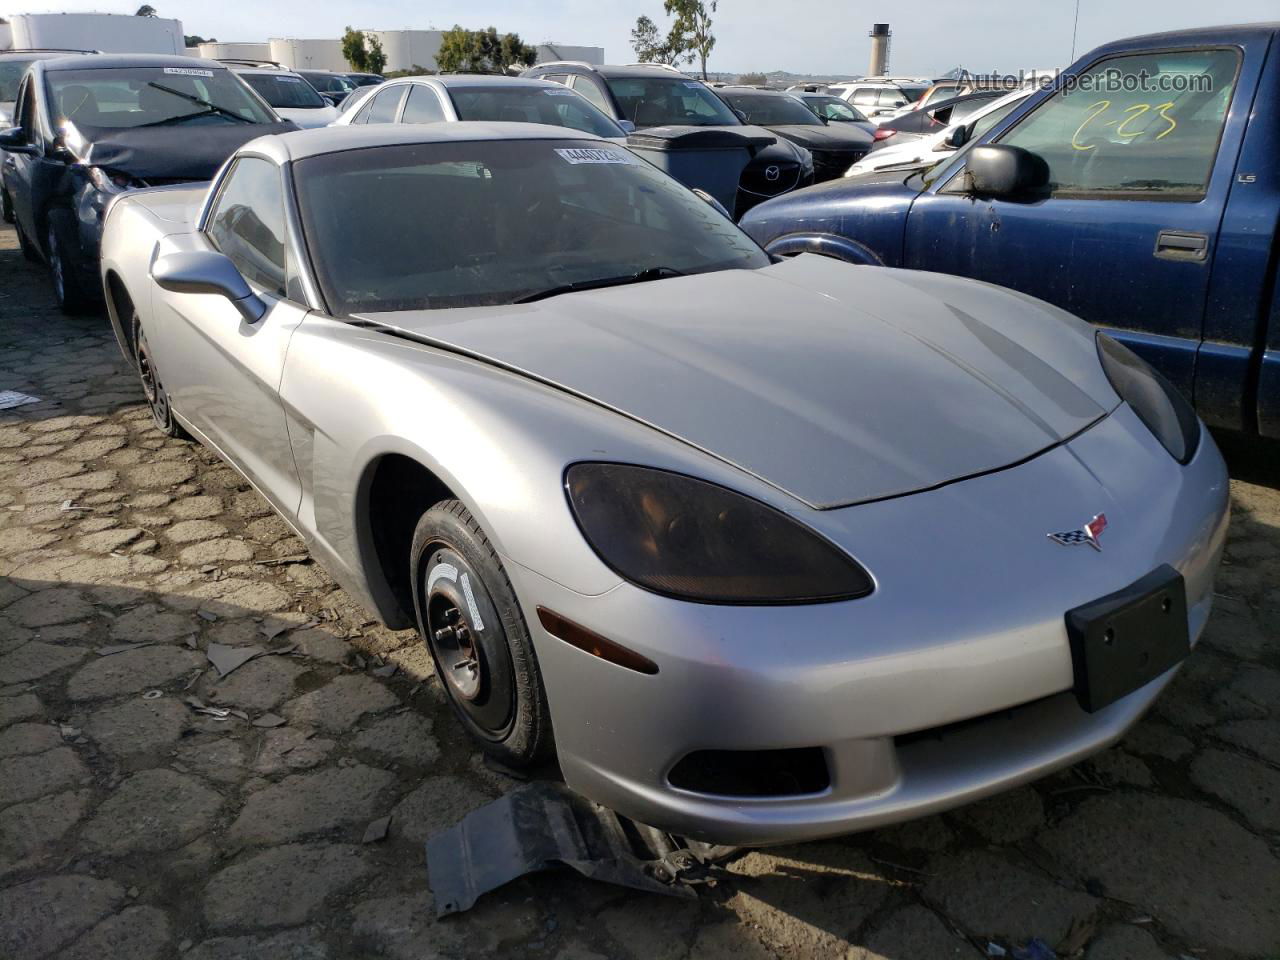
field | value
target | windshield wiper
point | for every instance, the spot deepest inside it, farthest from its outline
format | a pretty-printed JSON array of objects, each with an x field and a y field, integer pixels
[
  {"x": 652, "y": 273},
  {"x": 211, "y": 107}
]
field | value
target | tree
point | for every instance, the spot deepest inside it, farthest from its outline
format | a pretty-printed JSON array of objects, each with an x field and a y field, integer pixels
[
  {"x": 353, "y": 50},
  {"x": 376, "y": 59},
  {"x": 194, "y": 40},
  {"x": 146, "y": 10},
  {"x": 754, "y": 80},
  {"x": 650, "y": 48},
  {"x": 482, "y": 51},
  {"x": 693, "y": 22}
]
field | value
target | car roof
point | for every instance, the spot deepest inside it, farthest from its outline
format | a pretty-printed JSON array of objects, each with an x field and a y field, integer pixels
[
  {"x": 120, "y": 61},
  {"x": 300, "y": 144},
  {"x": 44, "y": 54},
  {"x": 629, "y": 70},
  {"x": 266, "y": 71},
  {"x": 458, "y": 80}
]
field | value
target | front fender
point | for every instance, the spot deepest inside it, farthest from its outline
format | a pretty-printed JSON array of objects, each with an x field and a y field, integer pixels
[{"x": 824, "y": 244}]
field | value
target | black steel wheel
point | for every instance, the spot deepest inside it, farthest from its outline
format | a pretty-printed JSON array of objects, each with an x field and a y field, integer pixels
[
  {"x": 471, "y": 622},
  {"x": 153, "y": 387}
]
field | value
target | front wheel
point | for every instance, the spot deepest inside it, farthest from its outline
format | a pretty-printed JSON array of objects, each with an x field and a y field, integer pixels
[
  {"x": 64, "y": 268},
  {"x": 471, "y": 622},
  {"x": 153, "y": 387}
]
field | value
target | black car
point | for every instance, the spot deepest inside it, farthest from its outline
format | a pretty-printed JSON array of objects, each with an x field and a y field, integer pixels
[
  {"x": 89, "y": 127},
  {"x": 365, "y": 79},
  {"x": 677, "y": 114},
  {"x": 335, "y": 86},
  {"x": 835, "y": 146},
  {"x": 927, "y": 120}
]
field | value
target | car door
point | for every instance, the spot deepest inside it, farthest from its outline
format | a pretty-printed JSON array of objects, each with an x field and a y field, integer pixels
[
  {"x": 224, "y": 373},
  {"x": 19, "y": 168},
  {"x": 422, "y": 106},
  {"x": 383, "y": 106},
  {"x": 1125, "y": 236}
]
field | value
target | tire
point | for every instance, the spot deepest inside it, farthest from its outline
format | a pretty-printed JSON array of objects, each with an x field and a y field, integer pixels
[
  {"x": 482, "y": 653},
  {"x": 60, "y": 252},
  {"x": 29, "y": 251},
  {"x": 153, "y": 387}
]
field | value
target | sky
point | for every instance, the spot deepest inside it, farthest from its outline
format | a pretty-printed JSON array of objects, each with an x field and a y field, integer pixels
[{"x": 811, "y": 36}]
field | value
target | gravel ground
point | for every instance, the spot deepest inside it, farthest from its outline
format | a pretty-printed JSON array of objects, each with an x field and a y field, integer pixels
[{"x": 133, "y": 826}]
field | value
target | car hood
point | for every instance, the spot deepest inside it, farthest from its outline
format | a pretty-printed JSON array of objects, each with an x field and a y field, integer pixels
[
  {"x": 831, "y": 137},
  {"x": 837, "y": 384},
  {"x": 164, "y": 153}
]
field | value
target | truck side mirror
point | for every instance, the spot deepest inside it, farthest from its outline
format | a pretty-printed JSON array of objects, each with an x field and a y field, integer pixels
[
  {"x": 627, "y": 127},
  {"x": 955, "y": 138},
  {"x": 1000, "y": 170},
  {"x": 14, "y": 140}
]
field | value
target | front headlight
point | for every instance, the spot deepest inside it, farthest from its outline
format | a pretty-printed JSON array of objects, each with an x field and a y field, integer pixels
[
  {"x": 1154, "y": 399},
  {"x": 694, "y": 540}
]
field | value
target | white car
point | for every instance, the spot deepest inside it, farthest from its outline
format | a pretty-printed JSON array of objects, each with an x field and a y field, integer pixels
[
  {"x": 288, "y": 94},
  {"x": 929, "y": 150}
]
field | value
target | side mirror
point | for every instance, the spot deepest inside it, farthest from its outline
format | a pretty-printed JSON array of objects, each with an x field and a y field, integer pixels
[
  {"x": 328, "y": 99},
  {"x": 742, "y": 114},
  {"x": 712, "y": 201},
  {"x": 999, "y": 170},
  {"x": 206, "y": 271},
  {"x": 955, "y": 138},
  {"x": 627, "y": 127},
  {"x": 14, "y": 140}
]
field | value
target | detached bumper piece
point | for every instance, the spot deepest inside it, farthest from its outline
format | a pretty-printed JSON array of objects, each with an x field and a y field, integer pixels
[{"x": 539, "y": 826}]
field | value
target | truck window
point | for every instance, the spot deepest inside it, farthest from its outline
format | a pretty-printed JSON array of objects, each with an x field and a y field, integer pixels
[{"x": 1144, "y": 126}]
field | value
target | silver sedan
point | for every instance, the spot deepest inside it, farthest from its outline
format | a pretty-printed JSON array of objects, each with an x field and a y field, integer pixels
[{"x": 760, "y": 551}]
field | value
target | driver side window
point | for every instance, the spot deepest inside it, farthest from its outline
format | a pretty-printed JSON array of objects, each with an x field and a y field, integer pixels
[
  {"x": 247, "y": 223},
  {"x": 1142, "y": 126}
]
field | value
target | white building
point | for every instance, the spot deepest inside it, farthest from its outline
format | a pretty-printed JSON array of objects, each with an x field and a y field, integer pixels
[
  {"x": 215, "y": 50},
  {"x": 308, "y": 54},
  {"x": 108, "y": 32},
  {"x": 404, "y": 49},
  {"x": 565, "y": 51}
]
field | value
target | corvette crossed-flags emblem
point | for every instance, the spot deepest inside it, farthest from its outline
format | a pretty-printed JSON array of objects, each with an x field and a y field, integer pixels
[{"x": 1089, "y": 533}]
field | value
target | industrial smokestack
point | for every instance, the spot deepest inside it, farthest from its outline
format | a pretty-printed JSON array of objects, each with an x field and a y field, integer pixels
[{"x": 880, "y": 36}]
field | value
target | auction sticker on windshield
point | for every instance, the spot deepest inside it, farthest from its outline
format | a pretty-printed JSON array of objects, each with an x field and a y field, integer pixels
[
  {"x": 591, "y": 155},
  {"x": 188, "y": 72}
]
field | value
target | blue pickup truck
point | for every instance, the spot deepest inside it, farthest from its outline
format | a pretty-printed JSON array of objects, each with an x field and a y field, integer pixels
[{"x": 1141, "y": 192}]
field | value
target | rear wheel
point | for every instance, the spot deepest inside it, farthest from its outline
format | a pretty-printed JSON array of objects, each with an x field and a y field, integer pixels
[
  {"x": 470, "y": 619},
  {"x": 153, "y": 387},
  {"x": 64, "y": 268}
]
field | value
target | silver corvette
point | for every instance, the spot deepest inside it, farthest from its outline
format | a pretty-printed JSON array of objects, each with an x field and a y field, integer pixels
[{"x": 759, "y": 551}]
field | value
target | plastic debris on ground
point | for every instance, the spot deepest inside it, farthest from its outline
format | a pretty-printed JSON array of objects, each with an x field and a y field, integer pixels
[
  {"x": 12, "y": 398},
  {"x": 377, "y": 830},
  {"x": 225, "y": 658},
  {"x": 542, "y": 825}
]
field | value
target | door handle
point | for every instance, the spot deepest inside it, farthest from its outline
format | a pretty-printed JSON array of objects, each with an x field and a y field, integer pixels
[{"x": 1174, "y": 245}]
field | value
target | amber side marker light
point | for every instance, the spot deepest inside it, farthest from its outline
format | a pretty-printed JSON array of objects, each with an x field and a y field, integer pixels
[{"x": 594, "y": 644}]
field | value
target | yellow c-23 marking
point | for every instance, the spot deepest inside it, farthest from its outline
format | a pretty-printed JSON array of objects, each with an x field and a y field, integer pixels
[{"x": 1134, "y": 112}]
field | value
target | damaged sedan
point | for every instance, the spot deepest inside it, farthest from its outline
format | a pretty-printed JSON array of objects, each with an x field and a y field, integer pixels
[
  {"x": 758, "y": 550},
  {"x": 86, "y": 128}
]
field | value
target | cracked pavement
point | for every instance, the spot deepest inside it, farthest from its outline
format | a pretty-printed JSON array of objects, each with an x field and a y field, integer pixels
[{"x": 132, "y": 825}]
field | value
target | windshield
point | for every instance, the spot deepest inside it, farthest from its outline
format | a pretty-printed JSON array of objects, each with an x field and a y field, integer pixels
[
  {"x": 330, "y": 83},
  {"x": 11, "y": 72},
  {"x": 428, "y": 226},
  {"x": 283, "y": 90},
  {"x": 560, "y": 107},
  {"x": 659, "y": 101},
  {"x": 767, "y": 109},
  {"x": 833, "y": 108},
  {"x": 150, "y": 96}
]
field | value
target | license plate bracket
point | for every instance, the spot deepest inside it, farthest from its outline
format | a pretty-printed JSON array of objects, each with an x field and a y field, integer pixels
[{"x": 1126, "y": 639}]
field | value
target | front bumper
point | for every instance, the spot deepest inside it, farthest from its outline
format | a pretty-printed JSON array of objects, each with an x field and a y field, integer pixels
[{"x": 951, "y": 682}]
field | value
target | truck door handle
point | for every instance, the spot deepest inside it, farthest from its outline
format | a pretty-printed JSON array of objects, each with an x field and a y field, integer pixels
[{"x": 1173, "y": 245}]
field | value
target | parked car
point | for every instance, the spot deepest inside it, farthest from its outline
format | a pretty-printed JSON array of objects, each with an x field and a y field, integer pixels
[
  {"x": 835, "y": 146},
  {"x": 689, "y": 131},
  {"x": 365, "y": 79},
  {"x": 289, "y": 95},
  {"x": 335, "y": 86},
  {"x": 87, "y": 128},
  {"x": 1153, "y": 215},
  {"x": 13, "y": 64},
  {"x": 880, "y": 98},
  {"x": 924, "y": 121},
  {"x": 834, "y": 110},
  {"x": 529, "y": 394},
  {"x": 919, "y": 152},
  {"x": 455, "y": 97}
]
